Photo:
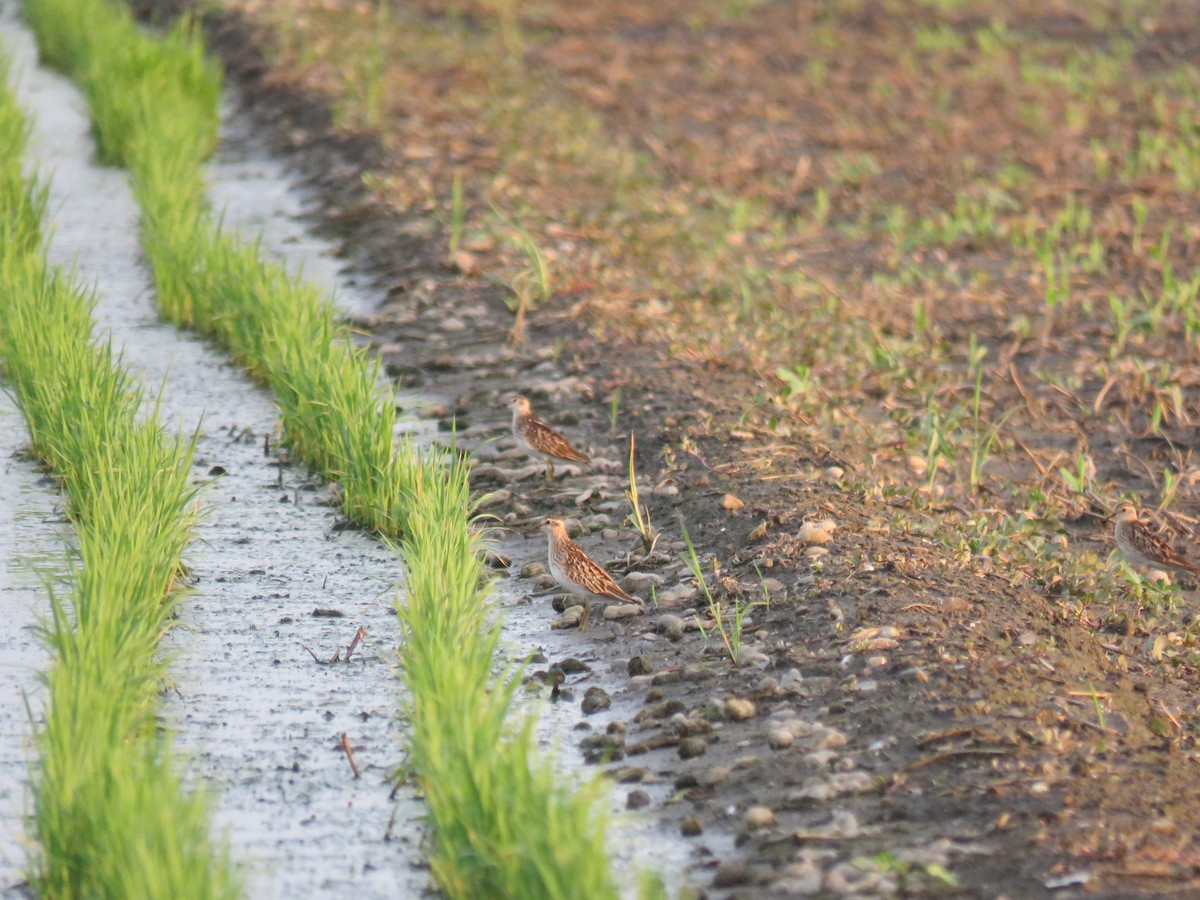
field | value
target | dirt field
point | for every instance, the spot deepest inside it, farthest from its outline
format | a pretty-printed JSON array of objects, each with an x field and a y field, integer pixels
[{"x": 925, "y": 270}]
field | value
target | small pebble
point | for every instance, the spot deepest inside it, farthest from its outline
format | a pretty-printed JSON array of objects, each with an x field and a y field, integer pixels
[
  {"x": 691, "y": 747},
  {"x": 713, "y": 776},
  {"x": 569, "y": 619},
  {"x": 732, "y": 874},
  {"x": 595, "y": 700},
  {"x": 638, "y": 665},
  {"x": 691, "y": 827},
  {"x": 669, "y": 626},
  {"x": 779, "y": 739},
  {"x": 494, "y": 498},
  {"x": 759, "y": 817},
  {"x": 638, "y": 582},
  {"x": 622, "y": 611},
  {"x": 637, "y": 799},
  {"x": 816, "y": 532},
  {"x": 737, "y": 709},
  {"x": 532, "y": 570},
  {"x": 676, "y": 597}
]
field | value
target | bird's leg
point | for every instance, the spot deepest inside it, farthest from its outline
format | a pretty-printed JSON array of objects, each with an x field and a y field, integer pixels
[
  {"x": 549, "y": 469},
  {"x": 586, "y": 617}
]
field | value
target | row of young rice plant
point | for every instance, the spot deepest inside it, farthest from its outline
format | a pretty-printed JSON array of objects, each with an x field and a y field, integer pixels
[
  {"x": 503, "y": 823},
  {"x": 112, "y": 818}
]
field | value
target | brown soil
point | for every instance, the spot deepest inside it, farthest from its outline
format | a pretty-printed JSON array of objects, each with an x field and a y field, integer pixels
[{"x": 971, "y": 723}]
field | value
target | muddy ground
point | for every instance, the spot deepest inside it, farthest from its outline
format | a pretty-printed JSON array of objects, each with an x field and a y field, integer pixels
[{"x": 902, "y": 721}]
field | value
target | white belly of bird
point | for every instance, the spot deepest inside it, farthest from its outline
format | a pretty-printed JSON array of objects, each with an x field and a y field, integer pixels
[{"x": 560, "y": 576}]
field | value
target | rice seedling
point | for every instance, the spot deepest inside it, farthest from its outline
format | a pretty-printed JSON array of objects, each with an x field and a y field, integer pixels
[
  {"x": 503, "y": 825},
  {"x": 110, "y": 812}
]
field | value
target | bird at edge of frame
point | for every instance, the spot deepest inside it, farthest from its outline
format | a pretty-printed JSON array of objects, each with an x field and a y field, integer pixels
[
  {"x": 578, "y": 573},
  {"x": 538, "y": 438},
  {"x": 1142, "y": 547}
]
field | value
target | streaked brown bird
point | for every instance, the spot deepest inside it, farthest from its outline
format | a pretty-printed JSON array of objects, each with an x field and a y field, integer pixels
[
  {"x": 539, "y": 438},
  {"x": 577, "y": 572},
  {"x": 1141, "y": 546}
]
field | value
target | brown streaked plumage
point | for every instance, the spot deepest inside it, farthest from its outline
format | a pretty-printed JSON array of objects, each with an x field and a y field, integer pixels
[
  {"x": 1143, "y": 547},
  {"x": 538, "y": 438},
  {"x": 575, "y": 570}
]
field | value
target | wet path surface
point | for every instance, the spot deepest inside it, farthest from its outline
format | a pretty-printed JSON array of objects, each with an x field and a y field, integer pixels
[
  {"x": 33, "y": 553},
  {"x": 259, "y": 720}
]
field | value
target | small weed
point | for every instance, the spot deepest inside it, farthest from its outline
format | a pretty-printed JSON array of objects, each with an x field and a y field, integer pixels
[
  {"x": 731, "y": 631},
  {"x": 639, "y": 515}
]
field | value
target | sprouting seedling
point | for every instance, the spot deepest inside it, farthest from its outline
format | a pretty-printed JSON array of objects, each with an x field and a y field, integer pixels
[
  {"x": 639, "y": 516},
  {"x": 731, "y": 633},
  {"x": 457, "y": 215},
  {"x": 614, "y": 404}
]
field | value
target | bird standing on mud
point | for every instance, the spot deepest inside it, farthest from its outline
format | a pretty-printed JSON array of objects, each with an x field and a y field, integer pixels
[
  {"x": 1141, "y": 546},
  {"x": 538, "y": 438},
  {"x": 575, "y": 570}
]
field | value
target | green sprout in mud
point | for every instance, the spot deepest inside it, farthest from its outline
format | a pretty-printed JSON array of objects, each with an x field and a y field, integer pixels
[
  {"x": 531, "y": 285},
  {"x": 983, "y": 437},
  {"x": 457, "y": 214},
  {"x": 614, "y": 406},
  {"x": 1078, "y": 479},
  {"x": 903, "y": 870},
  {"x": 639, "y": 515},
  {"x": 730, "y": 632}
]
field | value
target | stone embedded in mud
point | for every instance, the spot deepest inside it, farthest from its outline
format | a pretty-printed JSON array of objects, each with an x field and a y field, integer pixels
[
  {"x": 636, "y": 582},
  {"x": 713, "y": 776},
  {"x": 569, "y": 619},
  {"x": 686, "y": 726},
  {"x": 779, "y": 739},
  {"x": 669, "y": 626},
  {"x": 573, "y": 666},
  {"x": 691, "y": 747},
  {"x": 828, "y": 739},
  {"x": 737, "y": 709},
  {"x": 775, "y": 588},
  {"x": 662, "y": 711},
  {"x": 637, "y": 799},
  {"x": 631, "y": 774},
  {"x": 733, "y": 874},
  {"x": 678, "y": 596},
  {"x": 732, "y": 503},
  {"x": 757, "y": 817},
  {"x": 691, "y": 827},
  {"x": 498, "y": 560},
  {"x": 532, "y": 570},
  {"x": 622, "y": 611},
  {"x": 594, "y": 700},
  {"x": 639, "y": 665},
  {"x": 494, "y": 498},
  {"x": 816, "y": 532},
  {"x": 831, "y": 786}
]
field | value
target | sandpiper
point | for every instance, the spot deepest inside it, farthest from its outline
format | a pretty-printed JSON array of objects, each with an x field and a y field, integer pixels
[
  {"x": 577, "y": 572},
  {"x": 1143, "y": 547},
  {"x": 537, "y": 438}
]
